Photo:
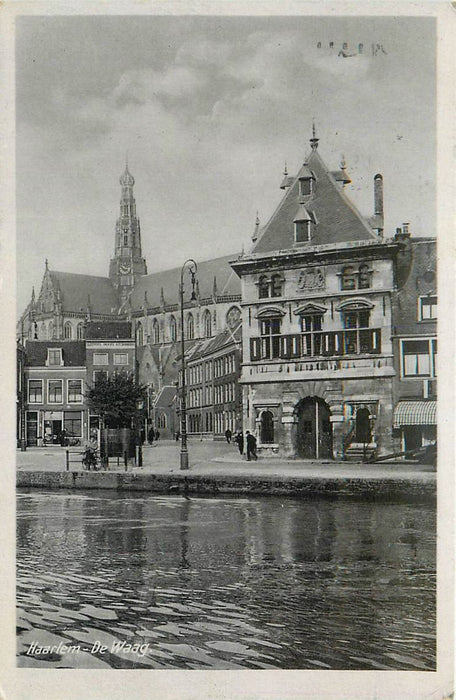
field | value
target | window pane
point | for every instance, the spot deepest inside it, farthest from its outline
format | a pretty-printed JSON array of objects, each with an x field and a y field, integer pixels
[
  {"x": 55, "y": 391},
  {"x": 100, "y": 358},
  {"x": 74, "y": 391},
  {"x": 409, "y": 364},
  {"x": 35, "y": 391},
  {"x": 423, "y": 364},
  {"x": 120, "y": 359}
]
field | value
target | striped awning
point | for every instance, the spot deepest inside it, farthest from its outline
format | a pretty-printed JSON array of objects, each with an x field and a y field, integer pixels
[{"x": 415, "y": 413}]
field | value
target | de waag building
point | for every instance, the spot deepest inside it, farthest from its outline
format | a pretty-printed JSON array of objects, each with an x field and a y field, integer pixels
[{"x": 322, "y": 368}]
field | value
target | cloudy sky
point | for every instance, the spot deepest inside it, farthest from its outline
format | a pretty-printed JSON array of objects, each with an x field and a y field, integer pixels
[{"x": 208, "y": 109}]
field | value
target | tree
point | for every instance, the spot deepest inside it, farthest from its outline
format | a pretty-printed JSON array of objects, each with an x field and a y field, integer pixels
[{"x": 114, "y": 399}]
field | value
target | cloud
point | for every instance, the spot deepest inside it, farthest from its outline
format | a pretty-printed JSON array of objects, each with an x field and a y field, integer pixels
[
  {"x": 143, "y": 86},
  {"x": 204, "y": 52}
]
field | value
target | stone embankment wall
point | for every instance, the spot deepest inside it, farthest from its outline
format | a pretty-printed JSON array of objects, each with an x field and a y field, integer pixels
[{"x": 364, "y": 488}]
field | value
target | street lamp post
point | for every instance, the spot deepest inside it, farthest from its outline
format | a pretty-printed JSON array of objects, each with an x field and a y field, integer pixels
[
  {"x": 192, "y": 267},
  {"x": 139, "y": 407}
]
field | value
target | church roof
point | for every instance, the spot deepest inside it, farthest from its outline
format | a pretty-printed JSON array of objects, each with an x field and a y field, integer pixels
[
  {"x": 165, "y": 397},
  {"x": 210, "y": 346},
  {"x": 336, "y": 218},
  {"x": 76, "y": 290},
  {"x": 227, "y": 281}
]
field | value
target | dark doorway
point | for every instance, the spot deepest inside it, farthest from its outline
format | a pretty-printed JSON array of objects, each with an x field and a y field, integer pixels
[
  {"x": 363, "y": 427},
  {"x": 412, "y": 437},
  {"x": 314, "y": 429},
  {"x": 267, "y": 427}
]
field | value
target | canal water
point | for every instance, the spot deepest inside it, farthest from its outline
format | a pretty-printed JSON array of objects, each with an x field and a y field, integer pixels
[{"x": 108, "y": 580}]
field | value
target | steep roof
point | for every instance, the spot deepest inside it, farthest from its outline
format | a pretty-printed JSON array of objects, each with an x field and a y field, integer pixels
[
  {"x": 336, "y": 218},
  {"x": 73, "y": 352},
  {"x": 228, "y": 282},
  {"x": 165, "y": 397},
  {"x": 108, "y": 330},
  {"x": 76, "y": 289},
  {"x": 209, "y": 346}
]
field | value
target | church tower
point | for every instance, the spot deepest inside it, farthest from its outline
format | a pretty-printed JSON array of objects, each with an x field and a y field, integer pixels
[{"x": 127, "y": 264}]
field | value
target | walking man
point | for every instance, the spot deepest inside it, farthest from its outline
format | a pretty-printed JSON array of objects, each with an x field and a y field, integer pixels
[
  {"x": 239, "y": 440},
  {"x": 228, "y": 435},
  {"x": 251, "y": 446}
]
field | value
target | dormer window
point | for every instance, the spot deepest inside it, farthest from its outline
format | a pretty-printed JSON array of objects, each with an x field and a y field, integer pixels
[
  {"x": 305, "y": 187},
  {"x": 302, "y": 231},
  {"x": 302, "y": 226},
  {"x": 54, "y": 357}
]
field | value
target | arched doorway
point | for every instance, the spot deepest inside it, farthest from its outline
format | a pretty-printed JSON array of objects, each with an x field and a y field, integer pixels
[
  {"x": 313, "y": 429},
  {"x": 363, "y": 426},
  {"x": 267, "y": 427}
]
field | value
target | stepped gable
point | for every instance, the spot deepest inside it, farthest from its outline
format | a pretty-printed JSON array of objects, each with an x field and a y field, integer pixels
[
  {"x": 77, "y": 289},
  {"x": 228, "y": 283},
  {"x": 73, "y": 352},
  {"x": 336, "y": 218}
]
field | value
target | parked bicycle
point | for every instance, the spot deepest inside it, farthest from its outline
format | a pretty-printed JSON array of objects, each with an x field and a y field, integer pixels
[{"x": 90, "y": 459}]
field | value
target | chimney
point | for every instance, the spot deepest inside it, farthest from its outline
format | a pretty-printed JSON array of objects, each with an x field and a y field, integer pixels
[
  {"x": 378, "y": 195},
  {"x": 405, "y": 229}
]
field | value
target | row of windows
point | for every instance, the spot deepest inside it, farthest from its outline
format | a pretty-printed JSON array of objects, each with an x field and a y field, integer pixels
[
  {"x": 69, "y": 332},
  {"x": 102, "y": 358},
  {"x": 224, "y": 393},
  {"x": 55, "y": 391},
  {"x": 157, "y": 335},
  {"x": 211, "y": 368},
  {"x": 354, "y": 318},
  {"x": 350, "y": 276}
]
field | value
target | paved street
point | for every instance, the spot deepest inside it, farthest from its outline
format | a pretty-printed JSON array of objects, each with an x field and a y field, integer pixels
[{"x": 209, "y": 457}]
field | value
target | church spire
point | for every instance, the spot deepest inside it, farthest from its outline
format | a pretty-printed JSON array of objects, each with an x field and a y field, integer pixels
[{"x": 127, "y": 264}]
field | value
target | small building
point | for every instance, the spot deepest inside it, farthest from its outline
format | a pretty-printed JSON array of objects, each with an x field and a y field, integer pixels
[
  {"x": 415, "y": 342},
  {"x": 164, "y": 413},
  {"x": 55, "y": 376}
]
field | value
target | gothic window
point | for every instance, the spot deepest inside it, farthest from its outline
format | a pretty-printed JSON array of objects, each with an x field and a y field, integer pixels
[
  {"x": 348, "y": 278},
  {"x": 68, "y": 331},
  {"x": 207, "y": 324},
  {"x": 276, "y": 285},
  {"x": 80, "y": 331},
  {"x": 267, "y": 427},
  {"x": 190, "y": 327},
  {"x": 139, "y": 334},
  {"x": 173, "y": 329},
  {"x": 155, "y": 332},
  {"x": 263, "y": 287}
]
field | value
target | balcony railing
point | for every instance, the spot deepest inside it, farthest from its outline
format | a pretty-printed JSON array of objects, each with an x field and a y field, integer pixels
[{"x": 353, "y": 341}]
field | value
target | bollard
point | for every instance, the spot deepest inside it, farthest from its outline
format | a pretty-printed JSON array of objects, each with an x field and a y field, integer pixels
[{"x": 67, "y": 457}]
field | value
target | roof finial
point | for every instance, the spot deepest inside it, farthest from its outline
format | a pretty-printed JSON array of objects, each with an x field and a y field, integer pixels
[
  {"x": 256, "y": 229},
  {"x": 285, "y": 172},
  {"x": 314, "y": 140},
  {"x": 343, "y": 164},
  {"x": 46, "y": 264},
  {"x": 33, "y": 295}
]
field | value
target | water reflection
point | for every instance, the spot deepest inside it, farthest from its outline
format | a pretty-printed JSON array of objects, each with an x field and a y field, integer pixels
[{"x": 224, "y": 583}]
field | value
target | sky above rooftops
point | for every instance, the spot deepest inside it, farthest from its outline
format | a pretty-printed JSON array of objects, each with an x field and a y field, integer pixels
[{"x": 208, "y": 109}]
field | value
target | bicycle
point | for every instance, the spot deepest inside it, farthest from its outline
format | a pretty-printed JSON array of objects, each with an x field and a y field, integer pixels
[{"x": 90, "y": 459}]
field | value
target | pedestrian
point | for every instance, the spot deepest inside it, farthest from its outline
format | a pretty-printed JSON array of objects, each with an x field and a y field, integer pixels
[
  {"x": 177, "y": 435},
  {"x": 63, "y": 438},
  {"x": 251, "y": 446},
  {"x": 228, "y": 435},
  {"x": 239, "y": 440},
  {"x": 157, "y": 435},
  {"x": 151, "y": 435}
]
